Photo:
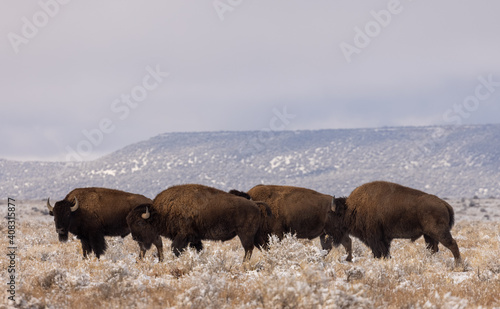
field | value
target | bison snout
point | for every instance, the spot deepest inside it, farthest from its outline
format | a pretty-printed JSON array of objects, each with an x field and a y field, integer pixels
[{"x": 61, "y": 231}]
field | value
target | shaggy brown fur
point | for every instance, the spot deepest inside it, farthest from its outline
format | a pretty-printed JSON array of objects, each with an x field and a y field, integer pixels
[
  {"x": 300, "y": 211},
  {"x": 188, "y": 214},
  {"x": 380, "y": 211},
  {"x": 101, "y": 212}
]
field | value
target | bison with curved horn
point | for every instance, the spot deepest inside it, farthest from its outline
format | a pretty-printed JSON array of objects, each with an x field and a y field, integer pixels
[
  {"x": 92, "y": 213},
  {"x": 379, "y": 211},
  {"x": 300, "y": 211},
  {"x": 188, "y": 214}
]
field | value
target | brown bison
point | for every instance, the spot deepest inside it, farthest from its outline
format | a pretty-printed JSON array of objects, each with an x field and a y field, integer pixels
[
  {"x": 378, "y": 212},
  {"x": 188, "y": 214},
  {"x": 92, "y": 213},
  {"x": 300, "y": 211}
]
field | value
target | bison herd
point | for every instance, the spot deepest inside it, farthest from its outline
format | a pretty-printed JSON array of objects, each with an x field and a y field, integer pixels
[{"x": 376, "y": 213}]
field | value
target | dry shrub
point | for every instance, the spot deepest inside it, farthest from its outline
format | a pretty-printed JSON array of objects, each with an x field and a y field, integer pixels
[{"x": 292, "y": 274}]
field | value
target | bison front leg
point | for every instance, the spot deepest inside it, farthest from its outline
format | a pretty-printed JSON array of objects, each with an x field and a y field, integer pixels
[
  {"x": 159, "y": 246},
  {"x": 98, "y": 244},
  {"x": 347, "y": 243},
  {"x": 142, "y": 250},
  {"x": 326, "y": 242},
  {"x": 86, "y": 249}
]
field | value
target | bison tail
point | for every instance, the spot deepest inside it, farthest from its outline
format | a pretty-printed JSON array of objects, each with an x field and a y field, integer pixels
[
  {"x": 451, "y": 214},
  {"x": 265, "y": 209},
  {"x": 240, "y": 193},
  {"x": 452, "y": 217}
]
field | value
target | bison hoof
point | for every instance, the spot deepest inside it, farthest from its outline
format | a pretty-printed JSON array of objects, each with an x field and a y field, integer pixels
[{"x": 459, "y": 264}]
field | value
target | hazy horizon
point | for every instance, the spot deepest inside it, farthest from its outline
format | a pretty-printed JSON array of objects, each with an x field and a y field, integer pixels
[
  {"x": 98, "y": 156},
  {"x": 86, "y": 80}
]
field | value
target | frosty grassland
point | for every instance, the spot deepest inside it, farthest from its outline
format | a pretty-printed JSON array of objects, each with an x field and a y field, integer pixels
[{"x": 292, "y": 274}]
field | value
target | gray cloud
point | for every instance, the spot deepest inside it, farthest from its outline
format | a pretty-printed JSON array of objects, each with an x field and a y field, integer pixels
[{"x": 229, "y": 75}]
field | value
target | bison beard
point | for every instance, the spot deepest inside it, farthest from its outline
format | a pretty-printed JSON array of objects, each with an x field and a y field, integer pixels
[{"x": 63, "y": 237}]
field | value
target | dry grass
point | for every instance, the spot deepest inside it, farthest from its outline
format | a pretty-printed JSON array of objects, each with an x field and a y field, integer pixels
[{"x": 292, "y": 274}]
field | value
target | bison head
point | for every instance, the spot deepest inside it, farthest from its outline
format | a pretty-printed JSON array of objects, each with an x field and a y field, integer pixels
[
  {"x": 63, "y": 212},
  {"x": 140, "y": 221},
  {"x": 336, "y": 225}
]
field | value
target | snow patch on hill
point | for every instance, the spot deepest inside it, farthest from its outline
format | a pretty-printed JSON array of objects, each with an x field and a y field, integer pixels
[{"x": 449, "y": 161}]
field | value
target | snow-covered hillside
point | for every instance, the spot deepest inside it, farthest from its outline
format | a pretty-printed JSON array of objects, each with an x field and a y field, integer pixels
[{"x": 451, "y": 161}]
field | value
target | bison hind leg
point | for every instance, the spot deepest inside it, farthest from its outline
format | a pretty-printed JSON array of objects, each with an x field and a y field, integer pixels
[
  {"x": 432, "y": 244},
  {"x": 260, "y": 242},
  {"x": 247, "y": 242},
  {"x": 179, "y": 244},
  {"x": 447, "y": 240}
]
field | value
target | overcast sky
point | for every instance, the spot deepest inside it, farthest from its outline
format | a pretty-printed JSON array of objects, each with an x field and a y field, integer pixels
[{"x": 84, "y": 78}]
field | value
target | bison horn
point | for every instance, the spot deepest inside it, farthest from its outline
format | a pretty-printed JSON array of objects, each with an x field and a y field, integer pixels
[
  {"x": 146, "y": 215},
  {"x": 49, "y": 206},
  {"x": 333, "y": 204},
  {"x": 74, "y": 208}
]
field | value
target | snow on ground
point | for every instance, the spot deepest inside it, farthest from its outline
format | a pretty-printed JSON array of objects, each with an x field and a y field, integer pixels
[{"x": 292, "y": 274}]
